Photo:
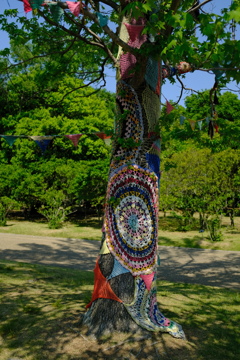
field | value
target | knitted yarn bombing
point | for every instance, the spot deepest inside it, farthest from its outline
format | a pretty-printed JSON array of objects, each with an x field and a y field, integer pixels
[
  {"x": 131, "y": 221},
  {"x": 133, "y": 125},
  {"x": 127, "y": 61},
  {"x": 102, "y": 288},
  {"x": 152, "y": 75},
  {"x": 144, "y": 311}
]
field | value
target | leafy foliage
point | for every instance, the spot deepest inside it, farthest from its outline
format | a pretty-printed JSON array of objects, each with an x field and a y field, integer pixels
[{"x": 48, "y": 181}]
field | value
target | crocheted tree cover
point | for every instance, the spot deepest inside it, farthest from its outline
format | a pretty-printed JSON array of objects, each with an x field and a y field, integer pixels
[{"x": 128, "y": 256}]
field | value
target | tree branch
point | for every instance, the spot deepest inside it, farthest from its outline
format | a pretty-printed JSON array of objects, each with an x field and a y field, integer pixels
[
  {"x": 198, "y": 6},
  {"x": 72, "y": 33},
  {"x": 91, "y": 16},
  {"x": 41, "y": 56}
]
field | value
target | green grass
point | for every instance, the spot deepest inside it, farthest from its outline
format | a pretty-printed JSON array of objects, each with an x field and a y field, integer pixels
[
  {"x": 40, "y": 308},
  {"x": 170, "y": 236},
  {"x": 90, "y": 229},
  {"x": 86, "y": 229}
]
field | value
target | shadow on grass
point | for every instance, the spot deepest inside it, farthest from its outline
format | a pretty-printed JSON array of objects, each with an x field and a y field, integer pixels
[
  {"x": 40, "y": 319},
  {"x": 90, "y": 222}
]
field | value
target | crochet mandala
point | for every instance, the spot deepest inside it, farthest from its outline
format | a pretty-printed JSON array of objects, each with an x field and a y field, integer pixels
[{"x": 132, "y": 218}]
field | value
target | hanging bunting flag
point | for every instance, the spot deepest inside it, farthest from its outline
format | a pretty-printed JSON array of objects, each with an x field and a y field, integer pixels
[
  {"x": 207, "y": 120},
  {"x": 103, "y": 19},
  {"x": 169, "y": 106},
  {"x": 75, "y": 8},
  {"x": 35, "y": 4},
  {"x": 56, "y": 12},
  {"x": 26, "y": 6},
  {"x": 192, "y": 124},
  {"x": 218, "y": 73},
  {"x": 10, "y": 139},
  {"x": 200, "y": 124},
  {"x": 104, "y": 137},
  {"x": 182, "y": 119},
  {"x": 74, "y": 138},
  {"x": 42, "y": 141},
  {"x": 102, "y": 288},
  {"x": 148, "y": 279}
]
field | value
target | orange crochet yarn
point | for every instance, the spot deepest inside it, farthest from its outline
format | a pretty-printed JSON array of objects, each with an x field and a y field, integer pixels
[{"x": 102, "y": 289}]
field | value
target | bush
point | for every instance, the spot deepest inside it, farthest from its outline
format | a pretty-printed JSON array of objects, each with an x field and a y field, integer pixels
[
  {"x": 214, "y": 228},
  {"x": 55, "y": 210},
  {"x": 6, "y": 205}
]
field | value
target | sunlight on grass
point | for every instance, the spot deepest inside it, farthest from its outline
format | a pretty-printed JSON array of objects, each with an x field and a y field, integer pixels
[{"x": 40, "y": 308}]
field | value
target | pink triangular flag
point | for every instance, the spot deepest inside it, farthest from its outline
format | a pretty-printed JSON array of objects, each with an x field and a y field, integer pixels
[
  {"x": 169, "y": 107},
  {"x": 148, "y": 279},
  {"x": 134, "y": 31},
  {"x": 74, "y": 138},
  {"x": 27, "y": 6},
  {"x": 74, "y": 7}
]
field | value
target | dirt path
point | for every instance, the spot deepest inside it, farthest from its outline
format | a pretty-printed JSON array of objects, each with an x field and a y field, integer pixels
[{"x": 195, "y": 266}]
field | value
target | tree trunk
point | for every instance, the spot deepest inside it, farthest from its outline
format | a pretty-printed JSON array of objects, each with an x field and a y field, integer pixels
[{"x": 124, "y": 296}]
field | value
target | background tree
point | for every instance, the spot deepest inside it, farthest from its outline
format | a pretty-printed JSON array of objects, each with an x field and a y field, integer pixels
[
  {"x": 26, "y": 174},
  {"x": 148, "y": 35}
]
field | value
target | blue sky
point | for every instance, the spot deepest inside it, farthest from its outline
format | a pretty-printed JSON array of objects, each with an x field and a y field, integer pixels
[{"x": 198, "y": 80}]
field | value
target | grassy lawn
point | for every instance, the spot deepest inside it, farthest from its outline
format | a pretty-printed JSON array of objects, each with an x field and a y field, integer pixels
[
  {"x": 40, "y": 308},
  {"x": 90, "y": 229}
]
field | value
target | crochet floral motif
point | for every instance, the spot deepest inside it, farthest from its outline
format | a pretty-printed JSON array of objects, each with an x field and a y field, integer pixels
[{"x": 132, "y": 218}]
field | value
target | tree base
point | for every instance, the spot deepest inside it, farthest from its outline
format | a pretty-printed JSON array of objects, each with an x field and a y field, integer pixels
[{"x": 106, "y": 317}]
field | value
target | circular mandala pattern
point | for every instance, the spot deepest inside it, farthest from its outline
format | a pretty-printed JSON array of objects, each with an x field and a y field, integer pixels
[{"x": 132, "y": 218}]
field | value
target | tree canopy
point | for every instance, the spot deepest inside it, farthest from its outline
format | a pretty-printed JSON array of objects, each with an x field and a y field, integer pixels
[{"x": 180, "y": 30}]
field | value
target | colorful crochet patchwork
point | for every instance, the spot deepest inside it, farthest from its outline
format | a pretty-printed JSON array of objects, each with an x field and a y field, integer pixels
[
  {"x": 144, "y": 310},
  {"x": 151, "y": 105},
  {"x": 152, "y": 75},
  {"x": 131, "y": 218},
  {"x": 128, "y": 61},
  {"x": 130, "y": 128}
]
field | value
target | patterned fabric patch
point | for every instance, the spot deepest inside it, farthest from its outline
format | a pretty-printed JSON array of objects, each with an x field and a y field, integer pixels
[
  {"x": 145, "y": 312},
  {"x": 151, "y": 104},
  {"x": 152, "y": 75},
  {"x": 131, "y": 221},
  {"x": 127, "y": 64}
]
